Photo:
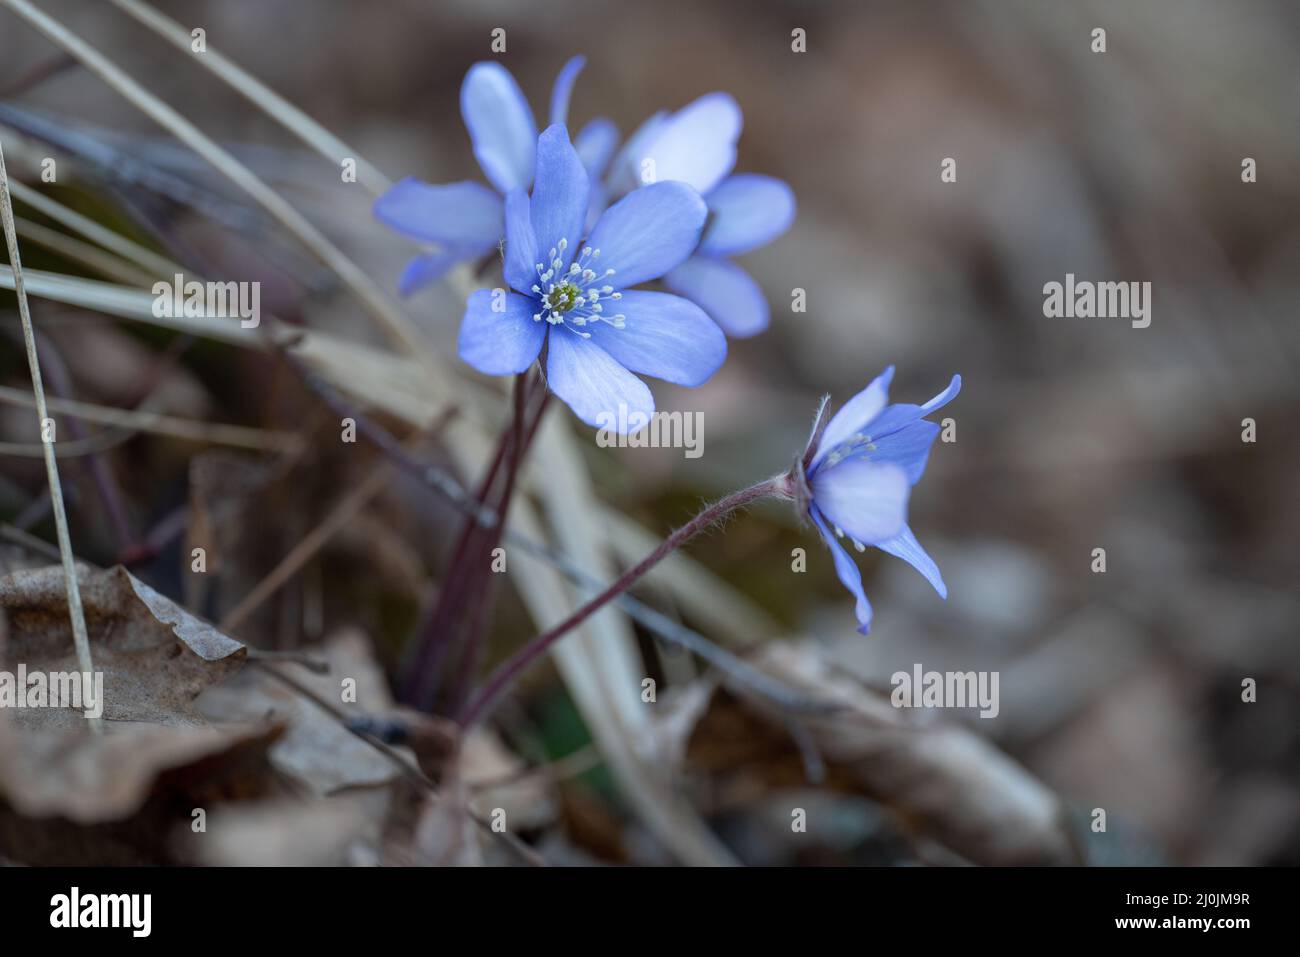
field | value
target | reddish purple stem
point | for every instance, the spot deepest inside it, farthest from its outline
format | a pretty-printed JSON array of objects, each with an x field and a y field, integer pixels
[{"x": 482, "y": 702}]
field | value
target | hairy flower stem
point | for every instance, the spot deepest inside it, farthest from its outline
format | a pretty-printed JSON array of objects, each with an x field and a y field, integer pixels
[
  {"x": 425, "y": 666},
  {"x": 455, "y": 626},
  {"x": 481, "y": 703},
  {"x": 472, "y": 647}
]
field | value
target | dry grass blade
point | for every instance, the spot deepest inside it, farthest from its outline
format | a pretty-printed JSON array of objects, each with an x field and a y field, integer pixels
[
  {"x": 395, "y": 324},
  {"x": 75, "y": 612},
  {"x": 339, "y": 516},
  {"x": 142, "y": 420},
  {"x": 149, "y": 261},
  {"x": 126, "y": 303},
  {"x": 258, "y": 93},
  {"x": 76, "y": 250},
  {"x": 397, "y": 384},
  {"x": 281, "y": 110},
  {"x": 91, "y": 445}
]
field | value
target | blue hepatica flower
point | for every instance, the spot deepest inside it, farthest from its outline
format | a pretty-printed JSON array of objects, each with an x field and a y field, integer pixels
[
  {"x": 466, "y": 219},
  {"x": 859, "y": 476},
  {"x": 697, "y": 146},
  {"x": 574, "y": 297}
]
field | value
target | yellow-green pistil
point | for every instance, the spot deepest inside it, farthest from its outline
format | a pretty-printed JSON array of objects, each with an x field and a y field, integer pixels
[
  {"x": 563, "y": 298},
  {"x": 571, "y": 297}
]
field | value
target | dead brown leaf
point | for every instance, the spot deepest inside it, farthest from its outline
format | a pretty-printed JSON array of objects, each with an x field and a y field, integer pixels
[
  {"x": 89, "y": 778},
  {"x": 155, "y": 657},
  {"x": 316, "y": 749},
  {"x": 446, "y": 835},
  {"x": 343, "y": 830},
  {"x": 72, "y": 797},
  {"x": 498, "y": 781},
  {"x": 942, "y": 781}
]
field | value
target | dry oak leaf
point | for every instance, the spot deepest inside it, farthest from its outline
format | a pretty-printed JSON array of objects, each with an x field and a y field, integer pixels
[{"x": 155, "y": 657}]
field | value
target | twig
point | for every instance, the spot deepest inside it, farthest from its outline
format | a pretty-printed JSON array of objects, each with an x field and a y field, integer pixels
[
  {"x": 75, "y": 612},
  {"x": 524, "y": 852},
  {"x": 316, "y": 666}
]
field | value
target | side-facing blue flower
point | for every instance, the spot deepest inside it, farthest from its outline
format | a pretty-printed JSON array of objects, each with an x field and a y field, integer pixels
[
  {"x": 697, "y": 146},
  {"x": 465, "y": 220},
  {"x": 575, "y": 296},
  {"x": 859, "y": 473}
]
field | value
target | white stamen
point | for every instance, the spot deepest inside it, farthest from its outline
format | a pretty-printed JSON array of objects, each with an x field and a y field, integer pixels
[{"x": 569, "y": 296}]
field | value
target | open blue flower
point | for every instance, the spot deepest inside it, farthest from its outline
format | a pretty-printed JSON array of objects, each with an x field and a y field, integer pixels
[
  {"x": 465, "y": 220},
  {"x": 697, "y": 146},
  {"x": 859, "y": 476},
  {"x": 575, "y": 297}
]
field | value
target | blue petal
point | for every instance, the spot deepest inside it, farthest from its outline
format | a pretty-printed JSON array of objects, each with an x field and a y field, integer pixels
[
  {"x": 596, "y": 204},
  {"x": 944, "y": 397},
  {"x": 847, "y": 570},
  {"x": 521, "y": 243},
  {"x": 725, "y": 291},
  {"x": 500, "y": 124},
  {"x": 908, "y": 448},
  {"x": 595, "y": 144},
  {"x": 665, "y": 336},
  {"x": 854, "y": 416},
  {"x": 500, "y": 343},
  {"x": 625, "y": 173},
  {"x": 697, "y": 144},
  {"x": 867, "y": 501},
  {"x": 563, "y": 89},
  {"x": 559, "y": 203},
  {"x": 423, "y": 270},
  {"x": 897, "y": 416},
  {"x": 906, "y": 547},
  {"x": 463, "y": 214},
  {"x": 592, "y": 383},
  {"x": 648, "y": 232},
  {"x": 747, "y": 211}
]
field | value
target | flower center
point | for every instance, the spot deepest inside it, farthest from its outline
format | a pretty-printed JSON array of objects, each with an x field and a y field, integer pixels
[
  {"x": 572, "y": 297},
  {"x": 562, "y": 298}
]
